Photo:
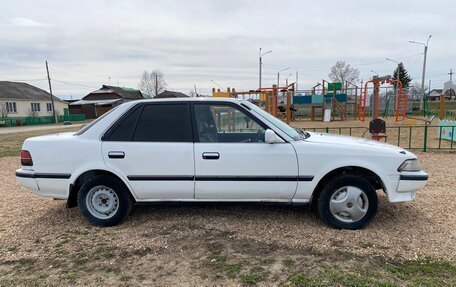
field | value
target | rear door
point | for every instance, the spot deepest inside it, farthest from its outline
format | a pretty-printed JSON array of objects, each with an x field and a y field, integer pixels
[
  {"x": 232, "y": 161},
  {"x": 153, "y": 147}
]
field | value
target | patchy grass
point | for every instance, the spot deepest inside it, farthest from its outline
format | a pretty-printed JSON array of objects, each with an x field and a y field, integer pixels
[
  {"x": 11, "y": 144},
  {"x": 328, "y": 269},
  {"x": 288, "y": 262},
  {"x": 79, "y": 259}
]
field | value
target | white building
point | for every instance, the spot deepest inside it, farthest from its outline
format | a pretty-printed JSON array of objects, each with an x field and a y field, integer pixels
[
  {"x": 449, "y": 85},
  {"x": 20, "y": 100}
]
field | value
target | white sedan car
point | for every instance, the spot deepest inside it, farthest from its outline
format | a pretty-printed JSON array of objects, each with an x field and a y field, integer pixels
[{"x": 214, "y": 150}]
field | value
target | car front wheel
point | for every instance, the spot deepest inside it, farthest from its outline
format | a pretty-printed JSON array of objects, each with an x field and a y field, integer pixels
[
  {"x": 104, "y": 201},
  {"x": 348, "y": 202}
]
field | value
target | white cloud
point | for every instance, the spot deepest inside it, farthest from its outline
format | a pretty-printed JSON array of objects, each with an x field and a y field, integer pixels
[{"x": 26, "y": 23}]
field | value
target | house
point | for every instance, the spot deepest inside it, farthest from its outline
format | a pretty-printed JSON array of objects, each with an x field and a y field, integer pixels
[
  {"x": 434, "y": 95},
  {"x": 100, "y": 101},
  {"x": 170, "y": 94},
  {"x": 21, "y": 101}
]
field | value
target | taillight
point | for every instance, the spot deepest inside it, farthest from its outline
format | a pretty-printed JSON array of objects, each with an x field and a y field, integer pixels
[{"x": 26, "y": 158}]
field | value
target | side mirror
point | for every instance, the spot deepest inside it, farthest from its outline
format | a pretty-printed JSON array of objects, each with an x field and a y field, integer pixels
[{"x": 271, "y": 137}]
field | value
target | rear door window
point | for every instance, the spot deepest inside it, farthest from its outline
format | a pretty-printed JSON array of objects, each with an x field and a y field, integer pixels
[{"x": 164, "y": 123}]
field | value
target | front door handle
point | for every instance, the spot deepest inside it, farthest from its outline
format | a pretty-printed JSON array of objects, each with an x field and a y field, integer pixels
[
  {"x": 116, "y": 154},
  {"x": 211, "y": 155}
]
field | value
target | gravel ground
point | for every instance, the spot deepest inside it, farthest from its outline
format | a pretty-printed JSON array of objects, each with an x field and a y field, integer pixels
[{"x": 44, "y": 230}]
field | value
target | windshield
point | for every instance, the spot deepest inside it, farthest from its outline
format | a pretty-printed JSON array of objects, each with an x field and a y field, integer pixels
[{"x": 291, "y": 132}]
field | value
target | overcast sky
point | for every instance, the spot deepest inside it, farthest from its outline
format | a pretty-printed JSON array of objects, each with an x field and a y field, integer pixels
[{"x": 90, "y": 43}]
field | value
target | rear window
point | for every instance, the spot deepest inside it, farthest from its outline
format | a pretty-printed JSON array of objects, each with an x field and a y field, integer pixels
[
  {"x": 164, "y": 123},
  {"x": 91, "y": 124}
]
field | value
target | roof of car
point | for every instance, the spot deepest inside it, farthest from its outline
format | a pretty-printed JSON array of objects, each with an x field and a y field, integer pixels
[{"x": 192, "y": 99}]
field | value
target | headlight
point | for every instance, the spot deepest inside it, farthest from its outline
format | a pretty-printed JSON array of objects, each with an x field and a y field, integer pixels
[{"x": 410, "y": 165}]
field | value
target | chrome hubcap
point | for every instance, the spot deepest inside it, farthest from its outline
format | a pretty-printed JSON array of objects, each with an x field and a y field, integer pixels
[
  {"x": 102, "y": 202},
  {"x": 349, "y": 204}
]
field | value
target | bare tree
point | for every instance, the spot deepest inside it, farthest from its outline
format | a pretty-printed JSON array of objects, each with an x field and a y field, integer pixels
[
  {"x": 342, "y": 72},
  {"x": 192, "y": 94},
  {"x": 3, "y": 111},
  {"x": 152, "y": 83}
]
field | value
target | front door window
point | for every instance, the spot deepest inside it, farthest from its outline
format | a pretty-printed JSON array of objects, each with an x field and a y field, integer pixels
[{"x": 225, "y": 123}]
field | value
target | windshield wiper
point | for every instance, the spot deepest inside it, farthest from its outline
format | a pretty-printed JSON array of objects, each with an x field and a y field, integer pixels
[{"x": 302, "y": 133}]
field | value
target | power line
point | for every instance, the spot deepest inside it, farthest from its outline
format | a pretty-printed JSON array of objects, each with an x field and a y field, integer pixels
[
  {"x": 23, "y": 80},
  {"x": 74, "y": 84}
]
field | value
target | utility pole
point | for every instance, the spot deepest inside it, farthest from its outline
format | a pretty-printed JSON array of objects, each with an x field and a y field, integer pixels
[
  {"x": 424, "y": 69},
  {"x": 56, "y": 120},
  {"x": 451, "y": 75},
  {"x": 196, "y": 94},
  {"x": 156, "y": 84}
]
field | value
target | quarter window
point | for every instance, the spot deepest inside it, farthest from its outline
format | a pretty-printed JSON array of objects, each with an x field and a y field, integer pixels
[
  {"x": 225, "y": 123},
  {"x": 164, "y": 123},
  {"x": 124, "y": 130}
]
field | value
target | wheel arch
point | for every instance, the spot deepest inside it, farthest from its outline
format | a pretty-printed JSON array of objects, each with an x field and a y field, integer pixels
[
  {"x": 373, "y": 178},
  {"x": 83, "y": 177}
]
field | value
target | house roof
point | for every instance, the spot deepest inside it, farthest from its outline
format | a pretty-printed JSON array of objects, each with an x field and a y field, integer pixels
[
  {"x": 437, "y": 90},
  {"x": 23, "y": 91},
  {"x": 170, "y": 94},
  {"x": 126, "y": 93}
]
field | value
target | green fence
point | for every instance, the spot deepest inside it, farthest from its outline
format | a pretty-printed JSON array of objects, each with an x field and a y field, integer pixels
[
  {"x": 410, "y": 137},
  {"x": 27, "y": 121}
]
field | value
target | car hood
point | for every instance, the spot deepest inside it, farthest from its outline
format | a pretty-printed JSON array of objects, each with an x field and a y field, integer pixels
[{"x": 341, "y": 140}]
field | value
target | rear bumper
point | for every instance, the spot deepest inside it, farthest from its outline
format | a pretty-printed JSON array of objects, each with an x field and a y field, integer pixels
[
  {"x": 27, "y": 179},
  {"x": 54, "y": 185}
]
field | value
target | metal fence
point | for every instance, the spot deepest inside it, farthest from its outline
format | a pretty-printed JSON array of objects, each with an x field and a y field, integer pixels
[
  {"x": 410, "y": 137},
  {"x": 22, "y": 121}
]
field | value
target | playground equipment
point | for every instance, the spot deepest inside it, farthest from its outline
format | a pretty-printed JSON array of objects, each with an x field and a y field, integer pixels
[
  {"x": 331, "y": 98},
  {"x": 377, "y": 126},
  {"x": 400, "y": 103},
  {"x": 268, "y": 99},
  {"x": 446, "y": 131},
  {"x": 272, "y": 101}
]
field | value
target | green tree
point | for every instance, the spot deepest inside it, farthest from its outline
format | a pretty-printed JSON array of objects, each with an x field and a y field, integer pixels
[{"x": 404, "y": 77}]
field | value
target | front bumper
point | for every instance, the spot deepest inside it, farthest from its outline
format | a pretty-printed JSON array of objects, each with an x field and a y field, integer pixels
[{"x": 406, "y": 186}]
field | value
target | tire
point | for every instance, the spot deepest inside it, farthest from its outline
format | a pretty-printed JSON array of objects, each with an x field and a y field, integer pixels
[
  {"x": 104, "y": 201},
  {"x": 348, "y": 202}
]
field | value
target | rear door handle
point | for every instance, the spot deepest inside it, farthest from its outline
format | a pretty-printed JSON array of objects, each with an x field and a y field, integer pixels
[
  {"x": 116, "y": 154},
  {"x": 211, "y": 155}
]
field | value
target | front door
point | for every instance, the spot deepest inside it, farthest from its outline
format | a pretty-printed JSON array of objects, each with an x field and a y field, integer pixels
[
  {"x": 232, "y": 161},
  {"x": 153, "y": 147}
]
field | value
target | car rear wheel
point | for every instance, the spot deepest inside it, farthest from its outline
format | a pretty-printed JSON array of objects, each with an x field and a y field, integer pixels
[
  {"x": 348, "y": 202},
  {"x": 104, "y": 201}
]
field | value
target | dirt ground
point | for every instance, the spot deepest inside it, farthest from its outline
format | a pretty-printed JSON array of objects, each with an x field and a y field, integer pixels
[{"x": 42, "y": 243}]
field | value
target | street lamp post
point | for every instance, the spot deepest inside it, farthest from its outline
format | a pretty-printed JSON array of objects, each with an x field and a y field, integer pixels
[
  {"x": 261, "y": 64},
  {"x": 424, "y": 69},
  {"x": 278, "y": 76},
  {"x": 286, "y": 79}
]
